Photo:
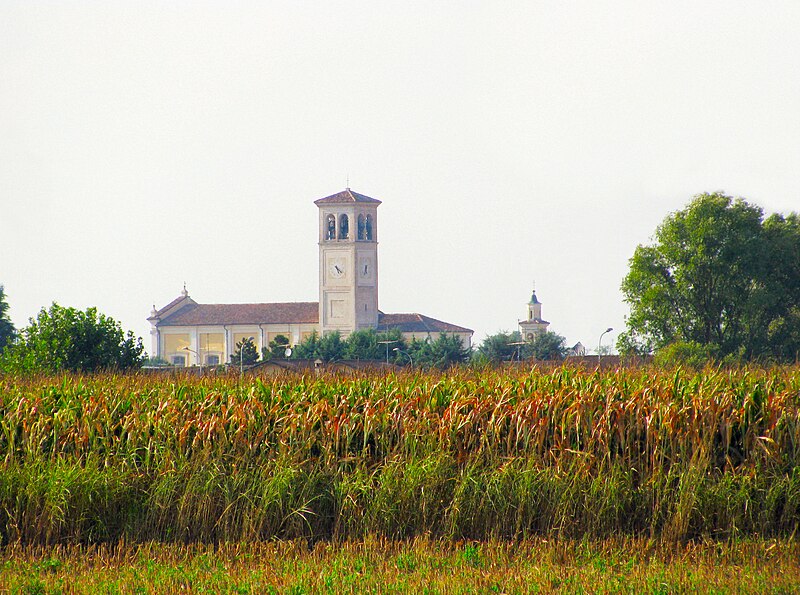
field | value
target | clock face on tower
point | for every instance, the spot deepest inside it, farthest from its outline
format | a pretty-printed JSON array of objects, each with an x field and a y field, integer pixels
[
  {"x": 366, "y": 270},
  {"x": 337, "y": 268}
]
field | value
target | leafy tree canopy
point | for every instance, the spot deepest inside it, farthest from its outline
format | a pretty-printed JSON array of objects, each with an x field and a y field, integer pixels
[
  {"x": 506, "y": 346},
  {"x": 720, "y": 277},
  {"x": 276, "y": 348},
  {"x": 443, "y": 352},
  {"x": 246, "y": 352},
  {"x": 503, "y": 346},
  {"x": 372, "y": 345},
  {"x": 327, "y": 348},
  {"x": 69, "y": 339},
  {"x": 7, "y": 331},
  {"x": 548, "y": 346}
]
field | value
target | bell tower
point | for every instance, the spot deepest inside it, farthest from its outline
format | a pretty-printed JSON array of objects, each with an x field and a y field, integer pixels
[
  {"x": 348, "y": 262},
  {"x": 534, "y": 325}
]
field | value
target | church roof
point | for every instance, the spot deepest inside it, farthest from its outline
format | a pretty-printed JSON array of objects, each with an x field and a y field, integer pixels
[
  {"x": 346, "y": 196},
  {"x": 417, "y": 323},
  {"x": 533, "y": 321},
  {"x": 216, "y": 314}
]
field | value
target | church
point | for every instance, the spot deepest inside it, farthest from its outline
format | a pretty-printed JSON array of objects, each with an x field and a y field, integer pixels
[{"x": 186, "y": 333}]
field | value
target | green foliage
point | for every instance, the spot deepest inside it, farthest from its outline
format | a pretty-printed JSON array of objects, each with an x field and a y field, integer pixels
[
  {"x": 155, "y": 362},
  {"x": 548, "y": 346},
  {"x": 360, "y": 345},
  {"x": 69, "y": 339},
  {"x": 501, "y": 347},
  {"x": 510, "y": 347},
  {"x": 366, "y": 345},
  {"x": 717, "y": 275},
  {"x": 686, "y": 353},
  {"x": 7, "y": 331},
  {"x": 467, "y": 455},
  {"x": 443, "y": 352},
  {"x": 246, "y": 352},
  {"x": 327, "y": 348},
  {"x": 307, "y": 348},
  {"x": 276, "y": 348}
]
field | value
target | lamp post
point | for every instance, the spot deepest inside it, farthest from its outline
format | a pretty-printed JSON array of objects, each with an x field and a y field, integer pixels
[
  {"x": 387, "y": 343},
  {"x": 516, "y": 344},
  {"x": 199, "y": 358},
  {"x": 398, "y": 350},
  {"x": 608, "y": 330}
]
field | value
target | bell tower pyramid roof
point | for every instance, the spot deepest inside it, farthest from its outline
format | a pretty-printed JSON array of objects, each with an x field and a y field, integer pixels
[{"x": 346, "y": 196}]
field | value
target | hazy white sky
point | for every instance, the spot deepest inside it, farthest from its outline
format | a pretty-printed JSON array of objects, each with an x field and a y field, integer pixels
[{"x": 144, "y": 144}]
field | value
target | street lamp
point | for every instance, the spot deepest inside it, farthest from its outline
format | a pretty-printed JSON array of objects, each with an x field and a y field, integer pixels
[
  {"x": 199, "y": 358},
  {"x": 608, "y": 330},
  {"x": 517, "y": 344},
  {"x": 387, "y": 343},
  {"x": 398, "y": 350}
]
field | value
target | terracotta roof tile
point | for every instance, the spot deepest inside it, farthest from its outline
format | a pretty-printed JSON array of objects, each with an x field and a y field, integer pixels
[
  {"x": 215, "y": 314},
  {"x": 345, "y": 197},
  {"x": 417, "y": 323},
  {"x": 171, "y": 305}
]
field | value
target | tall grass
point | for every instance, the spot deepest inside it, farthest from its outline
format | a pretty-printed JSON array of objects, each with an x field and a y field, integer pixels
[{"x": 463, "y": 454}]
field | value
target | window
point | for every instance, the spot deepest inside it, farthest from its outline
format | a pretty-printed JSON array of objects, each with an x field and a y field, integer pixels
[
  {"x": 176, "y": 347},
  {"x": 344, "y": 227},
  {"x": 212, "y": 342},
  {"x": 212, "y": 360},
  {"x": 369, "y": 228},
  {"x": 330, "y": 232},
  {"x": 361, "y": 228}
]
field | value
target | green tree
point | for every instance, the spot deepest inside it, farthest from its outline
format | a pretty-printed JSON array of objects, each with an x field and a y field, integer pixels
[
  {"x": 69, "y": 339},
  {"x": 7, "y": 331},
  {"x": 502, "y": 347},
  {"x": 327, "y": 348},
  {"x": 371, "y": 345},
  {"x": 246, "y": 352},
  {"x": 308, "y": 348},
  {"x": 363, "y": 345},
  {"x": 331, "y": 347},
  {"x": 548, "y": 346},
  {"x": 715, "y": 277},
  {"x": 276, "y": 348},
  {"x": 780, "y": 322},
  {"x": 445, "y": 351}
]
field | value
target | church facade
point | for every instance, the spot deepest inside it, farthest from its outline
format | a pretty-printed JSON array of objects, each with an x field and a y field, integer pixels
[{"x": 185, "y": 332}]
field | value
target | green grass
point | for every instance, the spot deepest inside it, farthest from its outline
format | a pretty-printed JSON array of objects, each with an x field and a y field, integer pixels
[{"x": 419, "y": 566}]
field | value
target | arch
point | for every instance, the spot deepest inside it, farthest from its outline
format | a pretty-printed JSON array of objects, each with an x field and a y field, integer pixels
[
  {"x": 369, "y": 227},
  {"x": 344, "y": 226},
  {"x": 330, "y": 232},
  {"x": 361, "y": 227}
]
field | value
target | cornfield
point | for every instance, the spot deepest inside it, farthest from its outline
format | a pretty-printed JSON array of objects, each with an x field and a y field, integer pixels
[{"x": 466, "y": 454}]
